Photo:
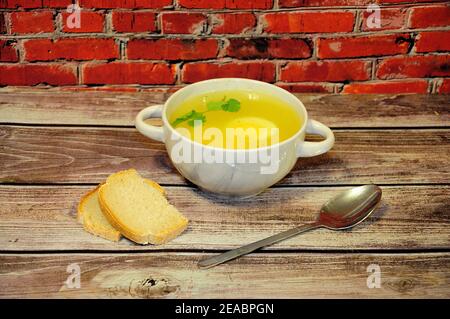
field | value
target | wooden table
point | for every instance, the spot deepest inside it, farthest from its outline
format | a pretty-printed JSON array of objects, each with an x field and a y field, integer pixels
[{"x": 55, "y": 146}]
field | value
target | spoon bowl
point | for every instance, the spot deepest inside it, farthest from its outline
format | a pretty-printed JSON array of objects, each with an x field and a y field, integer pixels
[{"x": 350, "y": 207}]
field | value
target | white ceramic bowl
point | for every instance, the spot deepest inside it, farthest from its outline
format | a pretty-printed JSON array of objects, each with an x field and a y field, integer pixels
[{"x": 233, "y": 172}]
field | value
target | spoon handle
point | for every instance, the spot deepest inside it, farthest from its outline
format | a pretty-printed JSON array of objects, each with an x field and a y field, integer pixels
[{"x": 244, "y": 250}]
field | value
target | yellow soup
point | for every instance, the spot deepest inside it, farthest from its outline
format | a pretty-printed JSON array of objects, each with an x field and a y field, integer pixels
[{"x": 236, "y": 119}]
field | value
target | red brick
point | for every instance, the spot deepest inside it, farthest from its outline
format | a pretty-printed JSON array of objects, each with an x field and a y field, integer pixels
[
  {"x": 348, "y": 47},
  {"x": 33, "y": 74},
  {"x": 414, "y": 67},
  {"x": 32, "y": 22},
  {"x": 128, "y": 73},
  {"x": 89, "y": 22},
  {"x": 2, "y": 23},
  {"x": 263, "y": 71},
  {"x": 70, "y": 49},
  {"x": 444, "y": 87},
  {"x": 232, "y": 23},
  {"x": 183, "y": 22},
  {"x": 322, "y": 71},
  {"x": 31, "y": 4},
  {"x": 342, "y": 3},
  {"x": 406, "y": 1},
  {"x": 226, "y": 4},
  {"x": 101, "y": 88},
  {"x": 101, "y": 4},
  {"x": 390, "y": 19},
  {"x": 431, "y": 16},
  {"x": 254, "y": 48},
  {"x": 172, "y": 49},
  {"x": 313, "y": 21},
  {"x": 128, "y": 4},
  {"x": 307, "y": 87},
  {"x": 12, "y": 4},
  {"x": 390, "y": 87},
  {"x": 322, "y": 3},
  {"x": 435, "y": 41},
  {"x": 56, "y": 3},
  {"x": 8, "y": 51},
  {"x": 133, "y": 21}
]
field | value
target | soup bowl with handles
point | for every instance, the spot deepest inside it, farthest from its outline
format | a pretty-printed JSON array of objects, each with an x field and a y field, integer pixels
[{"x": 233, "y": 172}]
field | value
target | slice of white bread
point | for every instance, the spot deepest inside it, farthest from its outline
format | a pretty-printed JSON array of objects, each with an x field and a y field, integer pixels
[
  {"x": 92, "y": 218},
  {"x": 140, "y": 212}
]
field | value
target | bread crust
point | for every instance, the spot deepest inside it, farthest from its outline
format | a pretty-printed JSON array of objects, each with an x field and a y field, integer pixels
[
  {"x": 156, "y": 186},
  {"x": 97, "y": 229},
  {"x": 83, "y": 201},
  {"x": 91, "y": 228},
  {"x": 158, "y": 239}
]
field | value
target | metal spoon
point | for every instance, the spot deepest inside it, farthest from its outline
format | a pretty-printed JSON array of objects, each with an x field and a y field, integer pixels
[{"x": 346, "y": 210}]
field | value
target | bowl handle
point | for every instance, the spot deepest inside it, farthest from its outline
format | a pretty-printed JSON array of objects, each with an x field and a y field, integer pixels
[
  {"x": 154, "y": 132},
  {"x": 308, "y": 149}
]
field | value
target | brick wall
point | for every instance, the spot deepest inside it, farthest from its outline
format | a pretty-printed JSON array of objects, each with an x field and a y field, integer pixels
[{"x": 302, "y": 45}]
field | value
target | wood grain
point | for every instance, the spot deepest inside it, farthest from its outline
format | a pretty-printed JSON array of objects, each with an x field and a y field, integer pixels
[
  {"x": 414, "y": 218},
  {"x": 108, "y": 108},
  {"x": 89, "y": 155},
  {"x": 44, "y": 219},
  {"x": 175, "y": 275},
  {"x": 81, "y": 108}
]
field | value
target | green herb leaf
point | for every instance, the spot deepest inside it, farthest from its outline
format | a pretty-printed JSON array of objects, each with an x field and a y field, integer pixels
[
  {"x": 183, "y": 118},
  {"x": 215, "y": 105},
  {"x": 196, "y": 118},
  {"x": 232, "y": 105},
  {"x": 193, "y": 117}
]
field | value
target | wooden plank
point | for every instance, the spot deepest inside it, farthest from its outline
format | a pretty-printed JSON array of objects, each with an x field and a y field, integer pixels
[
  {"x": 89, "y": 155},
  {"x": 42, "y": 218},
  {"x": 81, "y": 108},
  {"x": 175, "y": 275},
  {"x": 109, "y": 108}
]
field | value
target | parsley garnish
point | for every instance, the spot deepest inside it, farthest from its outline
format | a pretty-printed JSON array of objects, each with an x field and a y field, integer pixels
[{"x": 193, "y": 117}]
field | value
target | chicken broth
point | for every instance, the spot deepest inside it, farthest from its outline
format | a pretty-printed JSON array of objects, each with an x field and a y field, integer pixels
[{"x": 236, "y": 119}]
